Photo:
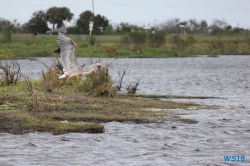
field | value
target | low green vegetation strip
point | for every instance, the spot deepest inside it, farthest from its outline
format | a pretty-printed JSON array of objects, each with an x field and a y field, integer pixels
[{"x": 26, "y": 45}]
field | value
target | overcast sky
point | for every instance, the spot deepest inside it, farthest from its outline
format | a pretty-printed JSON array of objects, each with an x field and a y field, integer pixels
[{"x": 140, "y": 12}]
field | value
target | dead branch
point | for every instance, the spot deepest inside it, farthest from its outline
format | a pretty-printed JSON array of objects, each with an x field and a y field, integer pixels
[
  {"x": 11, "y": 72},
  {"x": 132, "y": 88}
]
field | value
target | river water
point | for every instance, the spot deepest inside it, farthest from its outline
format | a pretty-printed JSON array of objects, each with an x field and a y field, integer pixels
[{"x": 219, "y": 132}]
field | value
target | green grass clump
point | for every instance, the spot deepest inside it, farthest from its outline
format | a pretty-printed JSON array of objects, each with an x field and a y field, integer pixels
[
  {"x": 15, "y": 122},
  {"x": 6, "y": 54}
]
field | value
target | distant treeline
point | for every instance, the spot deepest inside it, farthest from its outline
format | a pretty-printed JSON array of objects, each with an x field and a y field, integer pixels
[{"x": 103, "y": 26}]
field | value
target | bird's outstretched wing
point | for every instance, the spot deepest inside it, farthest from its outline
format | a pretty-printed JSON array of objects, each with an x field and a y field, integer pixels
[{"x": 68, "y": 54}]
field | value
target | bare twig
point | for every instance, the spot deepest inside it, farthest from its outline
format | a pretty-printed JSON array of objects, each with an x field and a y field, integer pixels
[
  {"x": 132, "y": 88},
  {"x": 121, "y": 74},
  {"x": 11, "y": 72}
]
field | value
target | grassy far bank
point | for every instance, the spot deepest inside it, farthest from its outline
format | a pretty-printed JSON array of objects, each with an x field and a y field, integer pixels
[
  {"x": 26, "y": 45},
  {"x": 32, "y": 105}
]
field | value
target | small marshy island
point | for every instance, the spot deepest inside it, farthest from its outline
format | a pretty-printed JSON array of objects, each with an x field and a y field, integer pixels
[{"x": 80, "y": 105}]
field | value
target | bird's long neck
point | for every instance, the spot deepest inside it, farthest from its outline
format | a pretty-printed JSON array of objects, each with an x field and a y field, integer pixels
[{"x": 91, "y": 68}]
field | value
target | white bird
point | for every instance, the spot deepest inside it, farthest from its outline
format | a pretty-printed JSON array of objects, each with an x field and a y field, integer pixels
[
  {"x": 69, "y": 61},
  {"x": 68, "y": 55}
]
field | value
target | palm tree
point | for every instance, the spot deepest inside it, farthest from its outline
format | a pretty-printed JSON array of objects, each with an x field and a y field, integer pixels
[{"x": 56, "y": 15}]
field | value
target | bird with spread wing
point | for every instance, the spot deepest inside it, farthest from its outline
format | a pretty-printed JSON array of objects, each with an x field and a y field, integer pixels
[{"x": 69, "y": 61}]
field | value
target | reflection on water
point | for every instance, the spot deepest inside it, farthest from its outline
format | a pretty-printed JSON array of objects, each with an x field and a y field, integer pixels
[{"x": 224, "y": 131}]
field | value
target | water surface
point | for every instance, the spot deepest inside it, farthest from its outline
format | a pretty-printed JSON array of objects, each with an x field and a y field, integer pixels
[{"x": 221, "y": 131}]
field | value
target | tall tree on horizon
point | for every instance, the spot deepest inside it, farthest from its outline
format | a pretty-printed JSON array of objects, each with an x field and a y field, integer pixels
[
  {"x": 7, "y": 28},
  {"x": 83, "y": 20},
  {"x": 56, "y": 15},
  {"x": 100, "y": 22},
  {"x": 38, "y": 22}
]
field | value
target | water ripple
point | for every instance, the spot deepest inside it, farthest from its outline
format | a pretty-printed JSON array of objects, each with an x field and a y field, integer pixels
[{"x": 221, "y": 131}]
